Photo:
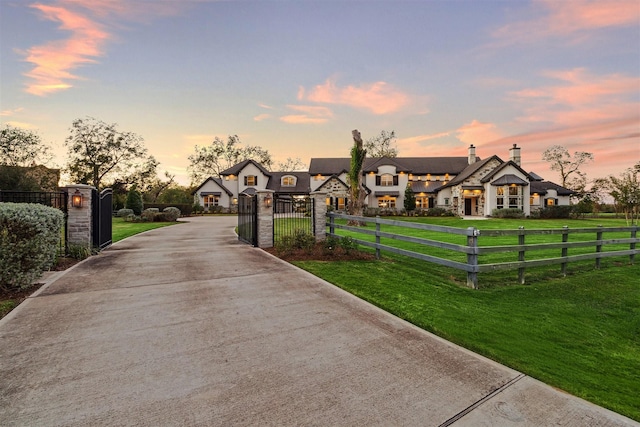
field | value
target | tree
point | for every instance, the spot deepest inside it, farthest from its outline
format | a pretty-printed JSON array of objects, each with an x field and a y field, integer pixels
[
  {"x": 212, "y": 159},
  {"x": 568, "y": 167},
  {"x": 409, "y": 199},
  {"x": 134, "y": 201},
  {"x": 291, "y": 165},
  {"x": 98, "y": 150},
  {"x": 356, "y": 190},
  {"x": 21, "y": 147},
  {"x": 382, "y": 145},
  {"x": 626, "y": 192}
]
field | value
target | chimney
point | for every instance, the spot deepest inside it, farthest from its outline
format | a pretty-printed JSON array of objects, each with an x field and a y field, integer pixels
[
  {"x": 514, "y": 154},
  {"x": 472, "y": 154}
]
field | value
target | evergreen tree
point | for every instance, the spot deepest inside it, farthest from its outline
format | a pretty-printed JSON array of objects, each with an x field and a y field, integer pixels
[
  {"x": 134, "y": 201},
  {"x": 409, "y": 199}
]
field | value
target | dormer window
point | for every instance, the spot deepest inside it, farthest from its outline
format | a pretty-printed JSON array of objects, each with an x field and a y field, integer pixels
[
  {"x": 288, "y": 181},
  {"x": 386, "y": 180},
  {"x": 250, "y": 180}
]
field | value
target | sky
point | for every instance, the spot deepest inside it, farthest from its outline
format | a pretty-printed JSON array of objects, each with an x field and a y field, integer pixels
[{"x": 296, "y": 77}]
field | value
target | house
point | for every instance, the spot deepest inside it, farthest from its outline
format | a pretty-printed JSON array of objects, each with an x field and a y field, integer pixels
[
  {"x": 467, "y": 186},
  {"x": 247, "y": 177}
]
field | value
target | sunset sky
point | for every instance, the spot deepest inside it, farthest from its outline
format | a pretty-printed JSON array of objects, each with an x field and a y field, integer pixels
[{"x": 295, "y": 77}]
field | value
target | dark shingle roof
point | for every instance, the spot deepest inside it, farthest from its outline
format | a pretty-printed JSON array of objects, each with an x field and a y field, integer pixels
[
  {"x": 301, "y": 187},
  {"x": 425, "y": 186},
  {"x": 509, "y": 179},
  {"x": 469, "y": 170},
  {"x": 541, "y": 187},
  {"x": 415, "y": 165},
  {"x": 502, "y": 166},
  {"x": 236, "y": 169},
  {"x": 217, "y": 181}
]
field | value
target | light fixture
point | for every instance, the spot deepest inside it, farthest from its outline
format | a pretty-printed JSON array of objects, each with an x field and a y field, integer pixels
[
  {"x": 267, "y": 200},
  {"x": 76, "y": 199}
]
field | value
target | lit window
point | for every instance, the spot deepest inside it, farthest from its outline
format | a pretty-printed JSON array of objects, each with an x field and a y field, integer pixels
[
  {"x": 386, "y": 202},
  {"x": 250, "y": 180},
  {"x": 341, "y": 203},
  {"x": 210, "y": 201},
  {"x": 288, "y": 181},
  {"x": 386, "y": 180}
]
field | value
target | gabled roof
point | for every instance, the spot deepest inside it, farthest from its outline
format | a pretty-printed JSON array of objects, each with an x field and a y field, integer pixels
[
  {"x": 332, "y": 177},
  {"x": 535, "y": 177},
  {"x": 509, "y": 179},
  {"x": 236, "y": 169},
  {"x": 415, "y": 165},
  {"x": 541, "y": 187},
  {"x": 501, "y": 167},
  {"x": 470, "y": 170},
  {"x": 301, "y": 187},
  {"x": 218, "y": 181}
]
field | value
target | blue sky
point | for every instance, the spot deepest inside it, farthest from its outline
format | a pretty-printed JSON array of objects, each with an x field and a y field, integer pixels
[{"x": 295, "y": 77}]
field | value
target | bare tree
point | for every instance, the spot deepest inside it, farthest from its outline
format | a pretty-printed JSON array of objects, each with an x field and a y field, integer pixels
[
  {"x": 356, "y": 190},
  {"x": 291, "y": 165},
  {"x": 568, "y": 167}
]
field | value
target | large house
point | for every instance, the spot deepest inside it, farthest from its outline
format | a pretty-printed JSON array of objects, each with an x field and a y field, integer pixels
[{"x": 467, "y": 186}]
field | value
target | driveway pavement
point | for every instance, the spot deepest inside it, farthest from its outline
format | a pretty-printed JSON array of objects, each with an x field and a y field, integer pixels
[{"x": 185, "y": 326}]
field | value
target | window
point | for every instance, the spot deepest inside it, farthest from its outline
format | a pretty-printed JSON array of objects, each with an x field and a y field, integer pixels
[
  {"x": 210, "y": 201},
  {"x": 422, "y": 202},
  {"x": 515, "y": 197},
  {"x": 318, "y": 177},
  {"x": 446, "y": 201},
  {"x": 235, "y": 201},
  {"x": 288, "y": 181},
  {"x": 386, "y": 202},
  {"x": 500, "y": 198},
  {"x": 250, "y": 180},
  {"x": 342, "y": 201},
  {"x": 386, "y": 180},
  {"x": 551, "y": 202}
]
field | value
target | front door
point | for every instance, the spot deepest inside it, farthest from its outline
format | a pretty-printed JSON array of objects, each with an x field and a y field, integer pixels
[{"x": 467, "y": 206}]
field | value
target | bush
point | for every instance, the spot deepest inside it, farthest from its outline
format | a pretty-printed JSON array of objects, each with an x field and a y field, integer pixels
[
  {"x": 171, "y": 213},
  {"x": 438, "y": 212},
  {"x": 554, "y": 212},
  {"x": 348, "y": 244},
  {"x": 300, "y": 239},
  {"x": 29, "y": 242},
  {"x": 124, "y": 213},
  {"x": 148, "y": 215},
  {"x": 507, "y": 213}
]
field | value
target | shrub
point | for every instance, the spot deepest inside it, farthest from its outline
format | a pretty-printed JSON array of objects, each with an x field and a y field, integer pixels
[
  {"x": 330, "y": 244},
  {"x": 123, "y": 213},
  {"x": 438, "y": 212},
  {"x": 79, "y": 251},
  {"x": 348, "y": 244},
  {"x": 171, "y": 213},
  {"x": 134, "y": 201},
  {"x": 507, "y": 213},
  {"x": 551, "y": 212},
  {"x": 29, "y": 241},
  {"x": 300, "y": 239}
]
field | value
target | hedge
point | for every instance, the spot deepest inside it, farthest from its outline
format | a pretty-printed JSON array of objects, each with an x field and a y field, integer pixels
[{"x": 29, "y": 242}]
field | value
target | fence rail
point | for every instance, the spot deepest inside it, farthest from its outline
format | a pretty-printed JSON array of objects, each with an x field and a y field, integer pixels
[{"x": 473, "y": 250}]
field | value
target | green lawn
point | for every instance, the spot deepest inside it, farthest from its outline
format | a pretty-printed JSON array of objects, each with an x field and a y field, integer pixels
[
  {"x": 580, "y": 333},
  {"x": 122, "y": 230}
]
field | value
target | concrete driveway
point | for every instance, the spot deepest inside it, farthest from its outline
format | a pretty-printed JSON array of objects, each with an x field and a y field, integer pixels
[{"x": 185, "y": 326}]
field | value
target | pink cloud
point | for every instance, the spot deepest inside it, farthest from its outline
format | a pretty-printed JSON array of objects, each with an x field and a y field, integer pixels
[
  {"x": 87, "y": 23},
  {"x": 564, "y": 18},
  {"x": 261, "y": 117},
  {"x": 478, "y": 132},
  {"x": 311, "y": 114},
  {"x": 379, "y": 97}
]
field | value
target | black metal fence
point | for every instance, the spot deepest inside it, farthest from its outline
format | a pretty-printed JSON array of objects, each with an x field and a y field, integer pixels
[
  {"x": 54, "y": 199},
  {"x": 102, "y": 218},
  {"x": 248, "y": 219},
  {"x": 291, "y": 215}
]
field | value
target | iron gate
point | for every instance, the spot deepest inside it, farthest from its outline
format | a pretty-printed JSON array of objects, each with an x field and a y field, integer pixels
[
  {"x": 101, "y": 217},
  {"x": 291, "y": 215},
  {"x": 248, "y": 219},
  {"x": 54, "y": 199}
]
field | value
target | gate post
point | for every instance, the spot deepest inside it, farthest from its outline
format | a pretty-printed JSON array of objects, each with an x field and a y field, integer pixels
[
  {"x": 79, "y": 221},
  {"x": 319, "y": 214},
  {"x": 264, "y": 208}
]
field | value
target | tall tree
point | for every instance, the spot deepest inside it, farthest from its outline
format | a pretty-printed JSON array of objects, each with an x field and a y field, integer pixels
[
  {"x": 21, "y": 147},
  {"x": 383, "y": 145},
  {"x": 568, "y": 167},
  {"x": 409, "y": 199},
  {"x": 212, "y": 159},
  {"x": 98, "y": 150},
  {"x": 625, "y": 190},
  {"x": 356, "y": 190},
  {"x": 291, "y": 165}
]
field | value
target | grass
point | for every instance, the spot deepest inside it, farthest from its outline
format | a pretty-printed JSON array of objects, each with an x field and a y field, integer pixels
[
  {"x": 122, "y": 229},
  {"x": 580, "y": 333}
]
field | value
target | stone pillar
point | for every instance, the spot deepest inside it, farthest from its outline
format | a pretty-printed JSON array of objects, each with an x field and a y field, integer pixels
[
  {"x": 265, "y": 218},
  {"x": 79, "y": 221},
  {"x": 320, "y": 214}
]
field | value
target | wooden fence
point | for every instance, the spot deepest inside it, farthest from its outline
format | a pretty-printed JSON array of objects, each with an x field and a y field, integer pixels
[{"x": 474, "y": 250}]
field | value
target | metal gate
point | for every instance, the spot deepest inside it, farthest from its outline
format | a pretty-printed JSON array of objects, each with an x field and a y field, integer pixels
[
  {"x": 248, "y": 219},
  {"x": 291, "y": 215},
  {"x": 101, "y": 217},
  {"x": 54, "y": 199}
]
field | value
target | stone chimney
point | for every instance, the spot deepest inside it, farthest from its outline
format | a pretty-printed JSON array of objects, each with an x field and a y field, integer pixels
[
  {"x": 514, "y": 154},
  {"x": 472, "y": 154}
]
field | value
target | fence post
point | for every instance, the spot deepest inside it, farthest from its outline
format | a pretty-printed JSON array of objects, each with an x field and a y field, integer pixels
[
  {"x": 632, "y": 246},
  {"x": 521, "y": 254},
  {"x": 377, "y": 236},
  {"x": 565, "y": 251},
  {"x": 264, "y": 206},
  {"x": 472, "y": 257},
  {"x": 319, "y": 200},
  {"x": 80, "y": 221},
  {"x": 598, "y": 245}
]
